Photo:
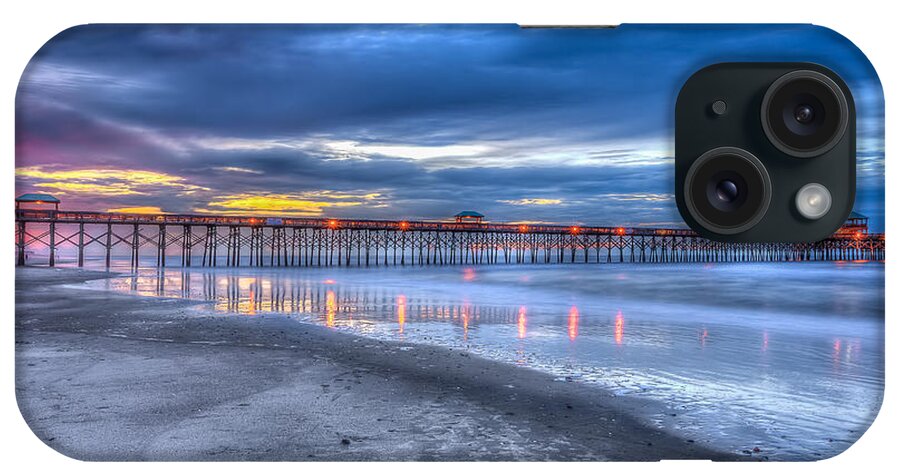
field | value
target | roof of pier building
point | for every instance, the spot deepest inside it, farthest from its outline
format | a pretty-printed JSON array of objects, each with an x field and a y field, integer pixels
[{"x": 37, "y": 198}]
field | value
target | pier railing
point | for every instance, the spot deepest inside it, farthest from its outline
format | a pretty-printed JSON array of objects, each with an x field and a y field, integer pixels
[{"x": 260, "y": 241}]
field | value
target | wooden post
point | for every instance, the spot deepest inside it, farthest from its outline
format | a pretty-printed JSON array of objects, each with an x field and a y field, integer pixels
[
  {"x": 293, "y": 244},
  {"x": 135, "y": 245},
  {"x": 52, "y": 244},
  {"x": 215, "y": 247},
  {"x": 108, "y": 243},
  {"x": 250, "y": 249},
  {"x": 237, "y": 247},
  {"x": 260, "y": 244},
  {"x": 403, "y": 249},
  {"x": 206, "y": 251},
  {"x": 331, "y": 246},
  {"x": 349, "y": 248},
  {"x": 20, "y": 243},
  {"x": 186, "y": 245},
  {"x": 286, "y": 246},
  {"x": 358, "y": 249},
  {"x": 273, "y": 250},
  {"x": 229, "y": 247},
  {"x": 81, "y": 245},
  {"x": 236, "y": 256},
  {"x": 161, "y": 248}
]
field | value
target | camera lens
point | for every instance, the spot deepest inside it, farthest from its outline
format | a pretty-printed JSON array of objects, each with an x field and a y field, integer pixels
[
  {"x": 804, "y": 113},
  {"x": 727, "y": 190}
]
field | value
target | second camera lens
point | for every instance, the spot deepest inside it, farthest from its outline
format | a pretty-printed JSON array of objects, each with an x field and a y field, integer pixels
[{"x": 804, "y": 113}]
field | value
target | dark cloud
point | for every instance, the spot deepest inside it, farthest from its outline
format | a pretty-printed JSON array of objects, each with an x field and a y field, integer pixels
[{"x": 577, "y": 115}]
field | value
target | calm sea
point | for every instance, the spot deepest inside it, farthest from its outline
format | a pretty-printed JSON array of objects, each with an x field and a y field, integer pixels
[{"x": 784, "y": 357}]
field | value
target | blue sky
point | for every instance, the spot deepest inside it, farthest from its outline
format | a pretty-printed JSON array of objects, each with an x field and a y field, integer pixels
[{"x": 406, "y": 122}]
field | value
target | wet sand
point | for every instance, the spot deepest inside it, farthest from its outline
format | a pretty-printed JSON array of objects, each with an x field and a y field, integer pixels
[{"x": 109, "y": 376}]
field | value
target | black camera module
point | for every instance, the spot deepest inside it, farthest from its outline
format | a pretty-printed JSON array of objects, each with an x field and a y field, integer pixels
[
  {"x": 727, "y": 190},
  {"x": 804, "y": 113},
  {"x": 779, "y": 166}
]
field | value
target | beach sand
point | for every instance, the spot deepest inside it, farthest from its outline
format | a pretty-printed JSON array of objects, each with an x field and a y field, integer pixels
[{"x": 108, "y": 376}]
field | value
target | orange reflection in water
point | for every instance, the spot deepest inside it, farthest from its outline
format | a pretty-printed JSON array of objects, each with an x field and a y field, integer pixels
[
  {"x": 251, "y": 303},
  {"x": 522, "y": 322},
  {"x": 401, "y": 311},
  {"x": 703, "y": 335},
  {"x": 619, "y": 332},
  {"x": 247, "y": 307},
  {"x": 465, "y": 321},
  {"x": 765, "y": 346},
  {"x": 836, "y": 353},
  {"x": 469, "y": 274},
  {"x": 330, "y": 308},
  {"x": 573, "y": 323}
]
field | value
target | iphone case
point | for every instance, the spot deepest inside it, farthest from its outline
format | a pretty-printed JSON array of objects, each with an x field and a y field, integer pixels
[{"x": 421, "y": 242}]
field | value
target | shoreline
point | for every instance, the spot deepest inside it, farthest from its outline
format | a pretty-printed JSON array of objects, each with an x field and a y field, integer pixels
[{"x": 111, "y": 376}]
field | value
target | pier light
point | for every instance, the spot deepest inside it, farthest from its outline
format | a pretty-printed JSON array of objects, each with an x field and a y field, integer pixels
[
  {"x": 620, "y": 231},
  {"x": 523, "y": 228},
  {"x": 575, "y": 230},
  {"x": 404, "y": 225},
  {"x": 333, "y": 224}
]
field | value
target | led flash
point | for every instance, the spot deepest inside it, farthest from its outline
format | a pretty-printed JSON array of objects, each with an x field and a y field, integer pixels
[{"x": 813, "y": 201}]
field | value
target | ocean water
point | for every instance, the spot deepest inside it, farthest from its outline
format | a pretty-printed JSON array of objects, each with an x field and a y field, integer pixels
[{"x": 787, "y": 358}]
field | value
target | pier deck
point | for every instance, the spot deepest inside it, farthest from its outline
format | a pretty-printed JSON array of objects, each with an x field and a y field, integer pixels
[{"x": 205, "y": 240}]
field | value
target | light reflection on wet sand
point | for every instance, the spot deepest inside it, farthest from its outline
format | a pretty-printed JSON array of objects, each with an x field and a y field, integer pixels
[
  {"x": 573, "y": 323},
  {"x": 798, "y": 373}
]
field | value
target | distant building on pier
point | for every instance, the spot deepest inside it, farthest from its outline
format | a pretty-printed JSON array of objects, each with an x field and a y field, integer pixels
[
  {"x": 469, "y": 216},
  {"x": 37, "y": 199},
  {"x": 856, "y": 223}
]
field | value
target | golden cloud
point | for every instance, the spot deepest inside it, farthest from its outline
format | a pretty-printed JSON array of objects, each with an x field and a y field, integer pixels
[
  {"x": 307, "y": 204},
  {"x": 105, "y": 181},
  {"x": 138, "y": 210}
]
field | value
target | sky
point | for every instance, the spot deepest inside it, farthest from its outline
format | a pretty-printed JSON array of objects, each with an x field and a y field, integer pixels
[{"x": 570, "y": 126}]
